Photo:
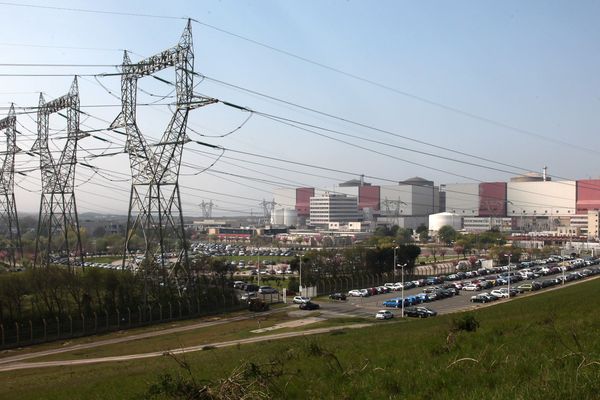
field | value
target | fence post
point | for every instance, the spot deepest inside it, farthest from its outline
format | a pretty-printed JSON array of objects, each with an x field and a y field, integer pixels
[
  {"x": 170, "y": 310},
  {"x": 150, "y": 312},
  {"x": 197, "y": 305},
  {"x": 189, "y": 310},
  {"x": 118, "y": 319},
  {"x": 70, "y": 325},
  {"x": 82, "y": 322},
  {"x": 18, "y": 338},
  {"x": 30, "y": 331},
  {"x": 140, "y": 314},
  {"x": 45, "y": 328},
  {"x": 129, "y": 316},
  {"x": 160, "y": 311},
  {"x": 106, "y": 313},
  {"x": 179, "y": 304},
  {"x": 58, "y": 328},
  {"x": 95, "y": 322}
]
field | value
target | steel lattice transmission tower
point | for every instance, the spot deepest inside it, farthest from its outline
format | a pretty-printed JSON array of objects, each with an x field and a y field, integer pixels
[
  {"x": 155, "y": 203},
  {"x": 268, "y": 207},
  {"x": 58, "y": 225},
  {"x": 207, "y": 207},
  {"x": 8, "y": 208}
]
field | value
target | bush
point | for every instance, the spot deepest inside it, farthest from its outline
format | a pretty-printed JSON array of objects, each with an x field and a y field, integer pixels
[{"x": 467, "y": 323}]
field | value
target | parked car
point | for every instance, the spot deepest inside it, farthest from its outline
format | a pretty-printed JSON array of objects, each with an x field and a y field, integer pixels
[
  {"x": 239, "y": 284},
  {"x": 384, "y": 314},
  {"x": 267, "y": 290},
  {"x": 471, "y": 287},
  {"x": 481, "y": 298},
  {"x": 396, "y": 303},
  {"x": 301, "y": 299},
  {"x": 499, "y": 293},
  {"x": 248, "y": 295},
  {"x": 423, "y": 297},
  {"x": 355, "y": 293},
  {"x": 419, "y": 312},
  {"x": 309, "y": 305},
  {"x": 337, "y": 296},
  {"x": 525, "y": 287}
]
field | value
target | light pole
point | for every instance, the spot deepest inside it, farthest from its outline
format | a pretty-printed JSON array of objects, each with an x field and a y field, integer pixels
[
  {"x": 395, "y": 248},
  {"x": 508, "y": 277},
  {"x": 300, "y": 275},
  {"x": 403, "y": 265}
]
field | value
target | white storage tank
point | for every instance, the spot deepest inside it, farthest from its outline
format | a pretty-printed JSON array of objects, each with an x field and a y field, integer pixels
[
  {"x": 436, "y": 221},
  {"x": 290, "y": 217},
  {"x": 277, "y": 216}
]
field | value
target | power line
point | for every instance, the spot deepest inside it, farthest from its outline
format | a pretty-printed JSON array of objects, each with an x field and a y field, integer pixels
[{"x": 89, "y": 11}]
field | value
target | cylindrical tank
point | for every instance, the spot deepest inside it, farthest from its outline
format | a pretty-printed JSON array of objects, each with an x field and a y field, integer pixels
[
  {"x": 436, "y": 221},
  {"x": 277, "y": 216},
  {"x": 290, "y": 217}
]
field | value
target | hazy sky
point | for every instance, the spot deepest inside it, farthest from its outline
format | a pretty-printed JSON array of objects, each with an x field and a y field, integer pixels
[{"x": 513, "y": 82}]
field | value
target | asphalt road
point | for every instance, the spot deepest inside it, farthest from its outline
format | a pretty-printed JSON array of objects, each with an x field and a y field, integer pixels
[{"x": 368, "y": 306}]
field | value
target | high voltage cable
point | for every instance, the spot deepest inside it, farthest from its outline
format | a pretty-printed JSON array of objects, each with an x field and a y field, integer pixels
[
  {"x": 316, "y": 63},
  {"x": 88, "y": 11}
]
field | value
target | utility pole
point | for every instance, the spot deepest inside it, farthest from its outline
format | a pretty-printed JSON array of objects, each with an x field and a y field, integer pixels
[
  {"x": 155, "y": 210},
  {"x": 8, "y": 206},
  {"x": 58, "y": 209}
]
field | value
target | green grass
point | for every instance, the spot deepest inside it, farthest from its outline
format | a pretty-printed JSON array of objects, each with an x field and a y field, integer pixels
[{"x": 538, "y": 347}]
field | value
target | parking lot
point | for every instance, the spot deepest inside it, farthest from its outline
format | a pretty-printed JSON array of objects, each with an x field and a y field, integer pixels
[{"x": 369, "y": 305}]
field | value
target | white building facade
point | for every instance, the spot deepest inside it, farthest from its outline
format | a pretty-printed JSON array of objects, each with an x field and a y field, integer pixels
[{"x": 333, "y": 208}]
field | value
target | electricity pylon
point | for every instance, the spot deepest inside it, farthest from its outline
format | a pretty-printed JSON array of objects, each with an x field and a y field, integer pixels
[
  {"x": 8, "y": 208},
  {"x": 58, "y": 223},
  {"x": 268, "y": 207},
  {"x": 207, "y": 207},
  {"x": 155, "y": 202}
]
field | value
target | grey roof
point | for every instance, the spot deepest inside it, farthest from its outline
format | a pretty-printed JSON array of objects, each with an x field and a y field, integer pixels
[{"x": 416, "y": 181}]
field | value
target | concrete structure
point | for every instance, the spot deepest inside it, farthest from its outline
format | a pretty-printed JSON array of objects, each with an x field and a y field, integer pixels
[
  {"x": 593, "y": 227},
  {"x": 436, "y": 221},
  {"x": 333, "y": 207},
  {"x": 541, "y": 198},
  {"x": 482, "y": 224},
  {"x": 588, "y": 195},
  {"x": 463, "y": 199}
]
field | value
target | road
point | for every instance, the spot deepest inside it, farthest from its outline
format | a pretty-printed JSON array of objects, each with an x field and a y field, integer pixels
[{"x": 354, "y": 307}]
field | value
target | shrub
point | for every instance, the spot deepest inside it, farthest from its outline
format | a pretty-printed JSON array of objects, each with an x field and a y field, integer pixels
[{"x": 467, "y": 323}]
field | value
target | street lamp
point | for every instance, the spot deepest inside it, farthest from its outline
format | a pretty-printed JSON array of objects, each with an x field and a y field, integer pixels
[
  {"x": 508, "y": 277},
  {"x": 395, "y": 248},
  {"x": 300, "y": 283},
  {"x": 403, "y": 265}
]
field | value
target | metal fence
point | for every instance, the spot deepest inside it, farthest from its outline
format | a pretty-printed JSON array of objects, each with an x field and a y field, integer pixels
[{"x": 25, "y": 333}]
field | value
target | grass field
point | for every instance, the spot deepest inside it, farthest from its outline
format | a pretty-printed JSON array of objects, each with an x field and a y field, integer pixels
[{"x": 540, "y": 347}]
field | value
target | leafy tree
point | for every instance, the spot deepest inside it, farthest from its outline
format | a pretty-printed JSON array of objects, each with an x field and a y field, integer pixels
[
  {"x": 404, "y": 235},
  {"x": 447, "y": 234}
]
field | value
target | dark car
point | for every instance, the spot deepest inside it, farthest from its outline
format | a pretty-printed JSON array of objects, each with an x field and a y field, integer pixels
[
  {"x": 419, "y": 312},
  {"x": 309, "y": 305},
  {"x": 481, "y": 298},
  {"x": 549, "y": 282},
  {"x": 337, "y": 296}
]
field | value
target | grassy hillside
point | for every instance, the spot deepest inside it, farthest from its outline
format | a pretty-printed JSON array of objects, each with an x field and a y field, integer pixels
[{"x": 541, "y": 347}]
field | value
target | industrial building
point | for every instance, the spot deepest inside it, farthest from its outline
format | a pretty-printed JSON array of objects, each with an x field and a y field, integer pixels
[{"x": 530, "y": 202}]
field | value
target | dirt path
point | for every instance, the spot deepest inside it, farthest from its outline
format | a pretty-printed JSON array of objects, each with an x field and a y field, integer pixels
[
  {"x": 144, "y": 335},
  {"x": 28, "y": 365}
]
